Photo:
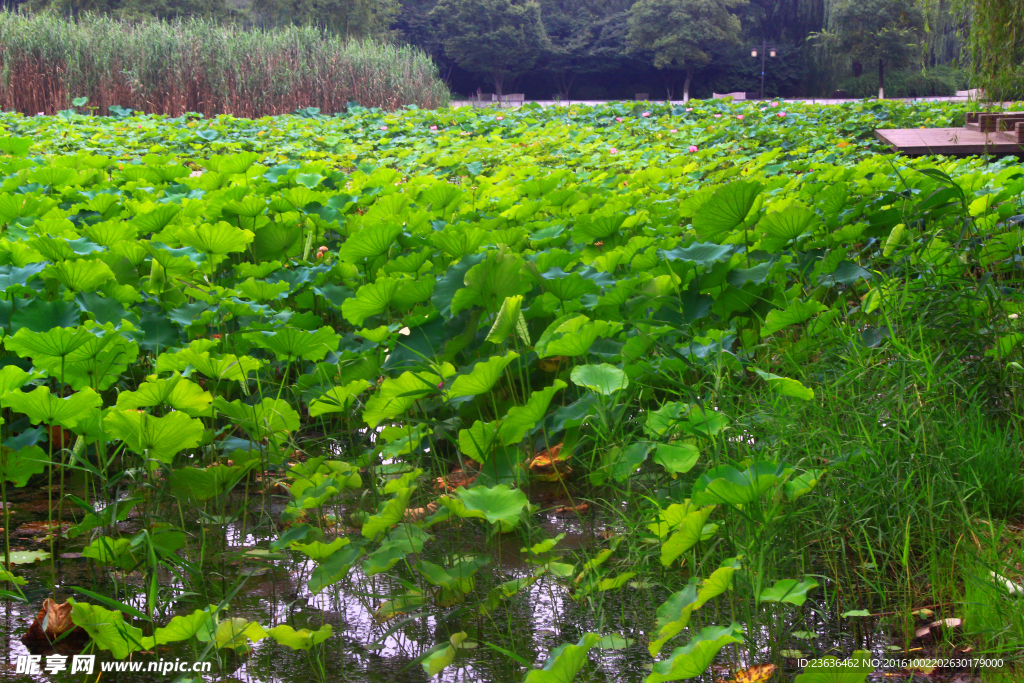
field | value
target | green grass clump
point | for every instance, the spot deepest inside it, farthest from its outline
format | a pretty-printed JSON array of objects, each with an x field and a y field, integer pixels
[{"x": 195, "y": 65}]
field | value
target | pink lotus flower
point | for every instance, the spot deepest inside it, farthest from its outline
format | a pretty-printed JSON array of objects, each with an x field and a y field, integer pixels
[
  {"x": 764, "y": 108},
  {"x": 383, "y": 127},
  {"x": 673, "y": 131},
  {"x": 739, "y": 116},
  {"x": 693, "y": 149},
  {"x": 613, "y": 151},
  {"x": 781, "y": 114},
  {"x": 646, "y": 113},
  {"x": 195, "y": 174},
  {"x": 433, "y": 128},
  {"x": 718, "y": 116},
  {"x": 775, "y": 104},
  {"x": 501, "y": 118},
  {"x": 689, "y": 109},
  {"x": 619, "y": 119},
  {"x": 41, "y": 114}
]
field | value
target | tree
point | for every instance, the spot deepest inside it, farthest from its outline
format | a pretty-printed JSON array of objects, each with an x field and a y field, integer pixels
[
  {"x": 682, "y": 34},
  {"x": 996, "y": 45},
  {"x": 502, "y": 38},
  {"x": 886, "y": 32},
  {"x": 350, "y": 18}
]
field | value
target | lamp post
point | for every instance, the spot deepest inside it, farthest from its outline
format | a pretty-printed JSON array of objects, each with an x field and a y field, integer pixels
[{"x": 771, "y": 53}]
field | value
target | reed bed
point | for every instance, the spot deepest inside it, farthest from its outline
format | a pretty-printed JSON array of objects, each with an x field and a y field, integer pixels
[{"x": 196, "y": 65}]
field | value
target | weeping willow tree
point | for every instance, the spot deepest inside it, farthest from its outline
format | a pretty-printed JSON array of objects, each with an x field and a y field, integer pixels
[{"x": 995, "y": 46}]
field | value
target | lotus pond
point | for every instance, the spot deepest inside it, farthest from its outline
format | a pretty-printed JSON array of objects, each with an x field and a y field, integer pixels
[{"x": 721, "y": 392}]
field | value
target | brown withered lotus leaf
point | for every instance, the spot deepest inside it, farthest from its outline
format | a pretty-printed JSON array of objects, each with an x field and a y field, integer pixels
[{"x": 52, "y": 622}]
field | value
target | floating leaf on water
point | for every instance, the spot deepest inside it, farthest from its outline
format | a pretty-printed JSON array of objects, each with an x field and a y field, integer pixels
[
  {"x": 614, "y": 641},
  {"x": 855, "y": 613},
  {"x": 28, "y": 556}
]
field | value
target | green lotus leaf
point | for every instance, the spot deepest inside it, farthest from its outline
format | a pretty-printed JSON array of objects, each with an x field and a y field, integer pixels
[
  {"x": 729, "y": 486},
  {"x": 604, "y": 379},
  {"x": 15, "y": 147},
  {"x": 107, "y": 629},
  {"x": 303, "y": 639},
  {"x": 693, "y": 659},
  {"x": 503, "y": 591},
  {"x": 154, "y": 438},
  {"x": 479, "y": 440},
  {"x": 436, "y": 662},
  {"x": 574, "y": 337},
  {"x": 498, "y": 505},
  {"x": 396, "y": 395},
  {"x": 180, "y": 628},
  {"x": 677, "y": 458},
  {"x": 236, "y": 633},
  {"x": 80, "y": 275},
  {"x": 227, "y": 366},
  {"x": 454, "y": 582},
  {"x": 521, "y": 419},
  {"x": 272, "y": 418},
  {"x": 784, "y": 386},
  {"x": 791, "y": 222},
  {"x": 334, "y": 568},
  {"x": 564, "y": 662},
  {"x": 191, "y": 483},
  {"x": 370, "y": 300},
  {"x": 788, "y": 590},
  {"x": 674, "y": 614},
  {"x": 176, "y": 392},
  {"x": 337, "y": 399},
  {"x": 384, "y": 558},
  {"x": 19, "y": 466},
  {"x": 391, "y": 514},
  {"x": 726, "y": 210},
  {"x": 482, "y": 377},
  {"x": 318, "y": 551},
  {"x": 219, "y": 239},
  {"x": 795, "y": 313},
  {"x": 370, "y": 242},
  {"x": 567, "y": 286},
  {"x": 13, "y": 378},
  {"x": 28, "y": 556},
  {"x": 509, "y": 319},
  {"x": 459, "y": 241},
  {"x": 399, "y": 605},
  {"x": 288, "y": 343},
  {"x": 261, "y": 290},
  {"x": 42, "y": 407},
  {"x": 687, "y": 534},
  {"x": 275, "y": 240},
  {"x": 490, "y": 282},
  {"x": 57, "y": 343}
]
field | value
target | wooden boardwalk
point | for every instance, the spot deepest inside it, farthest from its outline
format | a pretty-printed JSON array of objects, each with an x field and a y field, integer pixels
[{"x": 959, "y": 142}]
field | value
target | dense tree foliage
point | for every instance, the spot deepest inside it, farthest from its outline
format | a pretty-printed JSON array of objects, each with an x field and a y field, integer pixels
[
  {"x": 888, "y": 33},
  {"x": 501, "y": 38},
  {"x": 599, "y": 49},
  {"x": 682, "y": 34},
  {"x": 996, "y": 45}
]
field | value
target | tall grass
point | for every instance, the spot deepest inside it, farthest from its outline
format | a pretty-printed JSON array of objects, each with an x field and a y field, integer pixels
[{"x": 201, "y": 66}]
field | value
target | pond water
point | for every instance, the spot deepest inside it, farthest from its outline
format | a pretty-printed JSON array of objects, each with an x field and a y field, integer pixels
[{"x": 362, "y": 649}]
